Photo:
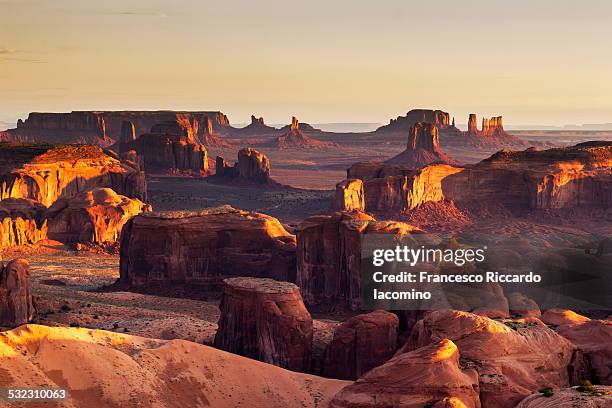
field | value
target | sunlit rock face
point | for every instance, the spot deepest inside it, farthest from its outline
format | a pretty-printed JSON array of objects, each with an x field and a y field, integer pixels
[
  {"x": 201, "y": 248},
  {"x": 46, "y": 173},
  {"x": 22, "y": 222},
  {"x": 252, "y": 168}
]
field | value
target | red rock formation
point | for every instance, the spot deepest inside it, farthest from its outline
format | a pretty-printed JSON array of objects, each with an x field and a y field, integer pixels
[
  {"x": 349, "y": 196},
  {"x": 472, "y": 126},
  {"x": 360, "y": 344},
  {"x": 511, "y": 362},
  {"x": 266, "y": 320},
  {"x": 329, "y": 256},
  {"x": 296, "y": 138},
  {"x": 252, "y": 167},
  {"x": 103, "y": 128},
  {"x": 16, "y": 306},
  {"x": 45, "y": 173},
  {"x": 255, "y": 128},
  {"x": 22, "y": 222},
  {"x": 96, "y": 216},
  {"x": 592, "y": 337},
  {"x": 423, "y": 148},
  {"x": 570, "y": 398},
  {"x": 170, "y": 147},
  {"x": 421, "y": 378},
  {"x": 195, "y": 249},
  {"x": 491, "y": 135},
  {"x": 521, "y": 305},
  {"x": 128, "y": 132},
  {"x": 405, "y": 123}
]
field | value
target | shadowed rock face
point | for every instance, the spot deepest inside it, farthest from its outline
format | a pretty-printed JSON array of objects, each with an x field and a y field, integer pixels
[
  {"x": 199, "y": 249},
  {"x": 15, "y": 297},
  {"x": 252, "y": 167},
  {"x": 266, "y": 320},
  {"x": 511, "y": 363},
  {"x": 45, "y": 173},
  {"x": 422, "y": 377},
  {"x": 103, "y": 128},
  {"x": 95, "y": 216},
  {"x": 360, "y": 344},
  {"x": 572, "y": 177},
  {"x": 329, "y": 256},
  {"x": 423, "y": 148}
]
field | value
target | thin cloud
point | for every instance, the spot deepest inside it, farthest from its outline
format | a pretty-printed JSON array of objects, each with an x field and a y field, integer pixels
[
  {"x": 139, "y": 13},
  {"x": 7, "y": 51}
]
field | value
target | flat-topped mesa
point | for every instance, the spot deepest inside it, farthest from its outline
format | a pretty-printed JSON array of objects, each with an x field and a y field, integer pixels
[
  {"x": 423, "y": 148},
  {"x": 199, "y": 249},
  {"x": 95, "y": 217},
  {"x": 45, "y": 173},
  {"x": 266, "y": 320},
  {"x": 103, "y": 128},
  {"x": 170, "y": 147},
  {"x": 22, "y": 221},
  {"x": 403, "y": 123},
  {"x": 252, "y": 167},
  {"x": 577, "y": 177},
  {"x": 328, "y": 256},
  {"x": 16, "y": 307}
]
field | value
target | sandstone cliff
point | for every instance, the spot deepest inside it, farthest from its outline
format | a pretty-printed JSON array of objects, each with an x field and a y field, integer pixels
[
  {"x": 45, "y": 173},
  {"x": 22, "y": 222},
  {"x": 252, "y": 168},
  {"x": 201, "y": 248}
]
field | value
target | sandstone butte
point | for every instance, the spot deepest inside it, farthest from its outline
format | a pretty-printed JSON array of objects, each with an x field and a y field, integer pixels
[
  {"x": 256, "y": 127},
  {"x": 512, "y": 363},
  {"x": 295, "y": 138},
  {"x": 423, "y": 377},
  {"x": 22, "y": 222},
  {"x": 252, "y": 168},
  {"x": 266, "y": 320},
  {"x": 46, "y": 173},
  {"x": 103, "y": 128},
  {"x": 96, "y": 216},
  {"x": 201, "y": 248},
  {"x": 106, "y": 369},
  {"x": 329, "y": 256},
  {"x": 423, "y": 148},
  {"x": 16, "y": 306},
  {"x": 170, "y": 147},
  {"x": 576, "y": 177}
]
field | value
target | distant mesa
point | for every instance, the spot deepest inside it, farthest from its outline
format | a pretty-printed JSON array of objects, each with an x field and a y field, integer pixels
[
  {"x": 252, "y": 168},
  {"x": 297, "y": 125},
  {"x": 170, "y": 147},
  {"x": 257, "y": 127},
  {"x": 423, "y": 148},
  {"x": 404, "y": 123},
  {"x": 104, "y": 128},
  {"x": 295, "y": 138}
]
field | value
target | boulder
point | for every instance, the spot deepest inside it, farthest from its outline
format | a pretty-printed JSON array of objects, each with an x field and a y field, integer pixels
[
  {"x": 201, "y": 248},
  {"x": 361, "y": 343},
  {"x": 424, "y": 377},
  {"x": 513, "y": 358},
  {"x": 16, "y": 306},
  {"x": 96, "y": 216},
  {"x": 46, "y": 173},
  {"x": 266, "y": 320},
  {"x": 329, "y": 256}
]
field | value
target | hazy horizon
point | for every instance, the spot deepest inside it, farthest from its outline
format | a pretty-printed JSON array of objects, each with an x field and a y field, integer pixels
[{"x": 542, "y": 64}]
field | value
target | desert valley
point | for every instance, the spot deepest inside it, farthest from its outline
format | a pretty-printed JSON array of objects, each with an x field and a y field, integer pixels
[{"x": 170, "y": 259}]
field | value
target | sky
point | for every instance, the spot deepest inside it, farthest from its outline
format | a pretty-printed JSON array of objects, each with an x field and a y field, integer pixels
[{"x": 534, "y": 62}]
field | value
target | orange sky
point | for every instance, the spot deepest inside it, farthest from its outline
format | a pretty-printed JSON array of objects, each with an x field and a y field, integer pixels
[{"x": 324, "y": 61}]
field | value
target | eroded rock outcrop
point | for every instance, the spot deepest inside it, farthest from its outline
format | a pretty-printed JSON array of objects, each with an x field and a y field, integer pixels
[
  {"x": 423, "y": 148},
  {"x": 329, "y": 256},
  {"x": 266, "y": 320},
  {"x": 16, "y": 306},
  {"x": 295, "y": 138},
  {"x": 491, "y": 135},
  {"x": 349, "y": 196},
  {"x": 22, "y": 222},
  {"x": 252, "y": 167},
  {"x": 570, "y": 398},
  {"x": 170, "y": 147},
  {"x": 256, "y": 127},
  {"x": 512, "y": 362},
  {"x": 96, "y": 216},
  {"x": 199, "y": 249},
  {"x": 423, "y": 377},
  {"x": 45, "y": 173},
  {"x": 361, "y": 343},
  {"x": 403, "y": 124}
]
